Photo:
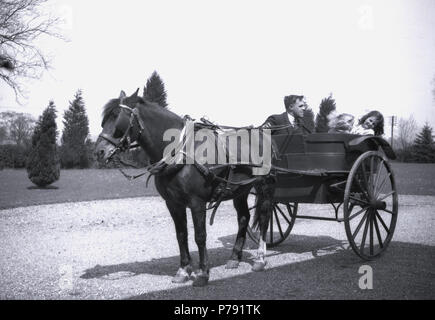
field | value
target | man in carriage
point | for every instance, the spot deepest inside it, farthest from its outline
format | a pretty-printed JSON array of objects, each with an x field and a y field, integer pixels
[{"x": 291, "y": 121}]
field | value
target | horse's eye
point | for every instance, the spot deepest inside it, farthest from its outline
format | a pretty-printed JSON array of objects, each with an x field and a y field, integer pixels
[{"x": 118, "y": 134}]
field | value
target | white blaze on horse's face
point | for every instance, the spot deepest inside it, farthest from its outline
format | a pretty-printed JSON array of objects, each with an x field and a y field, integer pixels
[{"x": 104, "y": 149}]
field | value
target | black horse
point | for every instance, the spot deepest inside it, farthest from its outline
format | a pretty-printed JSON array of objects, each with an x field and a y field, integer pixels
[{"x": 133, "y": 119}]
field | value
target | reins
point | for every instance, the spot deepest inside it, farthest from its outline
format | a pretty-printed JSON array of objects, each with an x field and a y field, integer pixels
[{"x": 125, "y": 143}]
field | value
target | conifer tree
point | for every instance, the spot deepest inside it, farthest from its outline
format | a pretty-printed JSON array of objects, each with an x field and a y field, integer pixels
[
  {"x": 154, "y": 91},
  {"x": 308, "y": 120},
  {"x": 424, "y": 148},
  {"x": 74, "y": 151},
  {"x": 43, "y": 166},
  {"x": 326, "y": 107}
]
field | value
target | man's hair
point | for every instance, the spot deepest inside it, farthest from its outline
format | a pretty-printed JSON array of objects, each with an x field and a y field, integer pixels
[
  {"x": 290, "y": 100},
  {"x": 379, "y": 126}
]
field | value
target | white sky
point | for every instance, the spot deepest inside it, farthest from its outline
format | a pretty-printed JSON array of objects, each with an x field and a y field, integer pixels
[{"x": 235, "y": 60}]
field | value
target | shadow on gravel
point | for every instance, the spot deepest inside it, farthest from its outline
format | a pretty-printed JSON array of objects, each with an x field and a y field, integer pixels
[
  {"x": 404, "y": 271},
  {"x": 217, "y": 256},
  {"x": 163, "y": 266}
]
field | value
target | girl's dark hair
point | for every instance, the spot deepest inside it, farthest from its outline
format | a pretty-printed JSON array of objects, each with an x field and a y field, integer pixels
[{"x": 379, "y": 127}]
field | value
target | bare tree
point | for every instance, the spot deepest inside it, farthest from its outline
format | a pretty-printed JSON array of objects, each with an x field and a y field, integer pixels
[
  {"x": 16, "y": 127},
  {"x": 22, "y": 22},
  {"x": 22, "y": 128},
  {"x": 407, "y": 131}
]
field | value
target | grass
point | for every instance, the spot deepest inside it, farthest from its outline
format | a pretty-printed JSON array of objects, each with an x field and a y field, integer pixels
[
  {"x": 93, "y": 184},
  {"x": 73, "y": 185}
]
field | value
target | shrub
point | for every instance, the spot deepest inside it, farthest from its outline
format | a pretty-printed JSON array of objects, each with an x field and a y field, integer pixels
[
  {"x": 13, "y": 156},
  {"x": 43, "y": 167},
  {"x": 326, "y": 107}
]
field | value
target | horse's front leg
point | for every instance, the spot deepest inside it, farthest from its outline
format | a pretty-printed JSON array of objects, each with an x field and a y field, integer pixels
[
  {"x": 178, "y": 214},
  {"x": 198, "y": 208},
  {"x": 243, "y": 216}
]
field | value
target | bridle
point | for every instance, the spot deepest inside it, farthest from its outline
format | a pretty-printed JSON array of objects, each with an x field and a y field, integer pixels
[{"x": 124, "y": 143}]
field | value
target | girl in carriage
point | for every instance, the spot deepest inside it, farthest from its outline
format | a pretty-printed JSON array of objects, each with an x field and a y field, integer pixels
[{"x": 370, "y": 123}]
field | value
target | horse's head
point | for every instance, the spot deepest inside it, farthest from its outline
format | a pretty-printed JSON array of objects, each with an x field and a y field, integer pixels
[{"x": 121, "y": 126}]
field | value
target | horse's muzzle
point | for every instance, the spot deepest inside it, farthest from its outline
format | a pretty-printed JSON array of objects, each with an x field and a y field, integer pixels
[{"x": 104, "y": 152}]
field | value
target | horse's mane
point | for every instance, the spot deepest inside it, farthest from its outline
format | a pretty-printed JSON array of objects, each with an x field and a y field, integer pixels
[
  {"x": 111, "y": 108},
  {"x": 158, "y": 108}
]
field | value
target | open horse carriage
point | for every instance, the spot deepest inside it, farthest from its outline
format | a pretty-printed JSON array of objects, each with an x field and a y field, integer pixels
[
  {"x": 348, "y": 171},
  {"x": 345, "y": 170}
]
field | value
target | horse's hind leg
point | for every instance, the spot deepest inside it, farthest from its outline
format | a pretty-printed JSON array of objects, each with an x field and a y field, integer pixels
[
  {"x": 178, "y": 214},
  {"x": 265, "y": 210},
  {"x": 243, "y": 216},
  {"x": 199, "y": 222}
]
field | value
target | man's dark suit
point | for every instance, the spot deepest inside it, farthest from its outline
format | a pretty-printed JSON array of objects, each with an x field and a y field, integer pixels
[{"x": 282, "y": 120}]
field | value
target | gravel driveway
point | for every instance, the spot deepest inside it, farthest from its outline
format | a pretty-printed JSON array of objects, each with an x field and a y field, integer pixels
[{"x": 126, "y": 248}]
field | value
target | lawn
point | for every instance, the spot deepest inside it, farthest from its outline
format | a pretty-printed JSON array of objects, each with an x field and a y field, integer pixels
[
  {"x": 73, "y": 185},
  {"x": 93, "y": 184}
]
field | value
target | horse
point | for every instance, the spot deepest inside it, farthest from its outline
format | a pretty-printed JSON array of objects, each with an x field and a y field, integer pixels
[{"x": 132, "y": 119}]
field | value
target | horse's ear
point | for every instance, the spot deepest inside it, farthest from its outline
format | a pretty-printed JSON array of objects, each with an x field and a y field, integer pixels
[
  {"x": 122, "y": 95},
  {"x": 136, "y": 93}
]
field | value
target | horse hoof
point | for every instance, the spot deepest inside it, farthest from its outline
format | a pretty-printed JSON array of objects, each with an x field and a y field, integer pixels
[
  {"x": 258, "y": 266},
  {"x": 200, "y": 281},
  {"x": 232, "y": 264},
  {"x": 180, "y": 279},
  {"x": 182, "y": 276}
]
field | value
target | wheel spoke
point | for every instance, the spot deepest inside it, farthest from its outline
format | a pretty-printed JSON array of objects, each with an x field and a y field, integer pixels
[
  {"x": 387, "y": 195},
  {"x": 371, "y": 234},
  {"x": 282, "y": 213},
  {"x": 362, "y": 188},
  {"x": 360, "y": 225},
  {"x": 352, "y": 205},
  {"x": 378, "y": 174},
  {"x": 382, "y": 222},
  {"x": 359, "y": 200},
  {"x": 363, "y": 241},
  {"x": 372, "y": 159},
  {"x": 271, "y": 228},
  {"x": 386, "y": 210},
  {"x": 363, "y": 168},
  {"x": 357, "y": 213},
  {"x": 278, "y": 223},
  {"x": 291, "y": 209},
  {"x": 382, "y": 184},
  {"x": 378, "y": 233}
]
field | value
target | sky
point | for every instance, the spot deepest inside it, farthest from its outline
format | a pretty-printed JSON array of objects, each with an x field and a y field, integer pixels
[{"x": 235, "y": 60}]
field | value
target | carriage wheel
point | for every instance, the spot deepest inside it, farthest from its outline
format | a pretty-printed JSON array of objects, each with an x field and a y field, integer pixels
[
  {"x": 281, "y": 221},
  {"x": 370, "y": 205}
]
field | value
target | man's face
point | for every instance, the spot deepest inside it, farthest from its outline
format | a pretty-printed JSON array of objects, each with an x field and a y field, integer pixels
[{"x": 298, "y": 107}]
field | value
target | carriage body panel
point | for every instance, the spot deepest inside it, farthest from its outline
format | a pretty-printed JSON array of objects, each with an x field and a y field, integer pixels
[{"x": 316, "y": 161}]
